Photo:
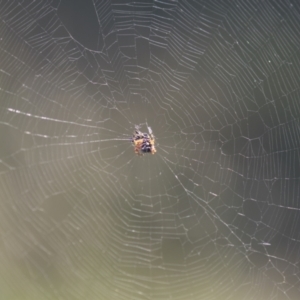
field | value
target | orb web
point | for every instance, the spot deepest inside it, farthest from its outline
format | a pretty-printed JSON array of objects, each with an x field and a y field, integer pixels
[{"x": 214, "y": 214}]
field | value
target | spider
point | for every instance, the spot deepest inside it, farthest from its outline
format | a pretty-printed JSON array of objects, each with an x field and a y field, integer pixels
[{"x": 143, "y": 142}]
